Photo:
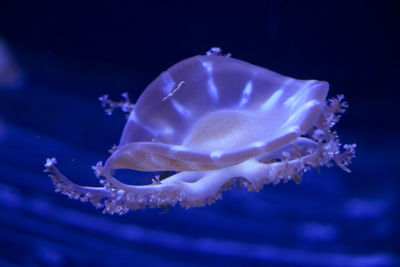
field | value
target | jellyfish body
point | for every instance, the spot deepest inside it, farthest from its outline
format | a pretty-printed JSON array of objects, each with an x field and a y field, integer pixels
[{"x": 216, "y": 121}]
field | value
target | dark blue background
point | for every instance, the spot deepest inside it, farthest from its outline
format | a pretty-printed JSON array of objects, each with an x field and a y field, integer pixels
[{"x": 70, "y": 53}]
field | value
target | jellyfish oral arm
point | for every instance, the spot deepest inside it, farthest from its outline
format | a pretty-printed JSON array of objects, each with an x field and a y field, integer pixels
[{"x": 200, "y": 188}]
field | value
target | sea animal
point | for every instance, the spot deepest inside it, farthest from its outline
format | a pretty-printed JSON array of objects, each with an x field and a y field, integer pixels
[{"x": 215, "y": 121}]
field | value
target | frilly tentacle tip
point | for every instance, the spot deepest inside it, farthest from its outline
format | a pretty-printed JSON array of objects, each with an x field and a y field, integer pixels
[
  {"x": 98, "y": 169},
  {"x": 50, "y": 162},
  {"x": 109, "y": 105},
  {"x": 216, "y": 51},
  {"x": 345, "y": 158},
  {"x": 63, "y": 185}
]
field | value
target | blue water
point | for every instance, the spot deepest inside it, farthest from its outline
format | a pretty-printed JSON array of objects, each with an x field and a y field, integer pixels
[{"x": 69, "y": 55}]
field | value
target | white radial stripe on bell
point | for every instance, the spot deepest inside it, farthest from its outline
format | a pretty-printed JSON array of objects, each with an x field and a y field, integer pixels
[
  {"x": 212, "y": 89},
  {"x": 208, "y": 66},
  {"x": 132, "y": 117},
  {"x": 315, "y": 85},
  {"x": 248, "y": 89},
  {"x": 181, "y": 109},
  {"x": 167, "y": 131},
  {"x": 135, "y": 120},
  {"x": 307, "y": 106},
  {"x": 311, "y": 103},
  {"x": 298, "y": 96},
  {"x": 292, "y": 118},
  {"x": 169, "y": 83},
  {"x": 301, "y": 110},
  {"x": 272, "y": 100}
]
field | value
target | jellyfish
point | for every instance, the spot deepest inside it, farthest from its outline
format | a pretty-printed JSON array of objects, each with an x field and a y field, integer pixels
[{"x": 215, "y": 122}]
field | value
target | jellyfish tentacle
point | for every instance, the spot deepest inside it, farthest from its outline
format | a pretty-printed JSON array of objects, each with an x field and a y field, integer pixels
[
  {"x": 72, "y": 190},
  {"x": 196, "y": 189},
  {"x": 109, "y": 105},
  {"x": 199, "y": 188}
]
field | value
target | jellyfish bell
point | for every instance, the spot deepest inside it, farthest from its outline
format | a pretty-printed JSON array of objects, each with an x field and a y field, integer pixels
[
  {"x": 216, "y": 120},
  {"x": 225, "y": 111}
]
